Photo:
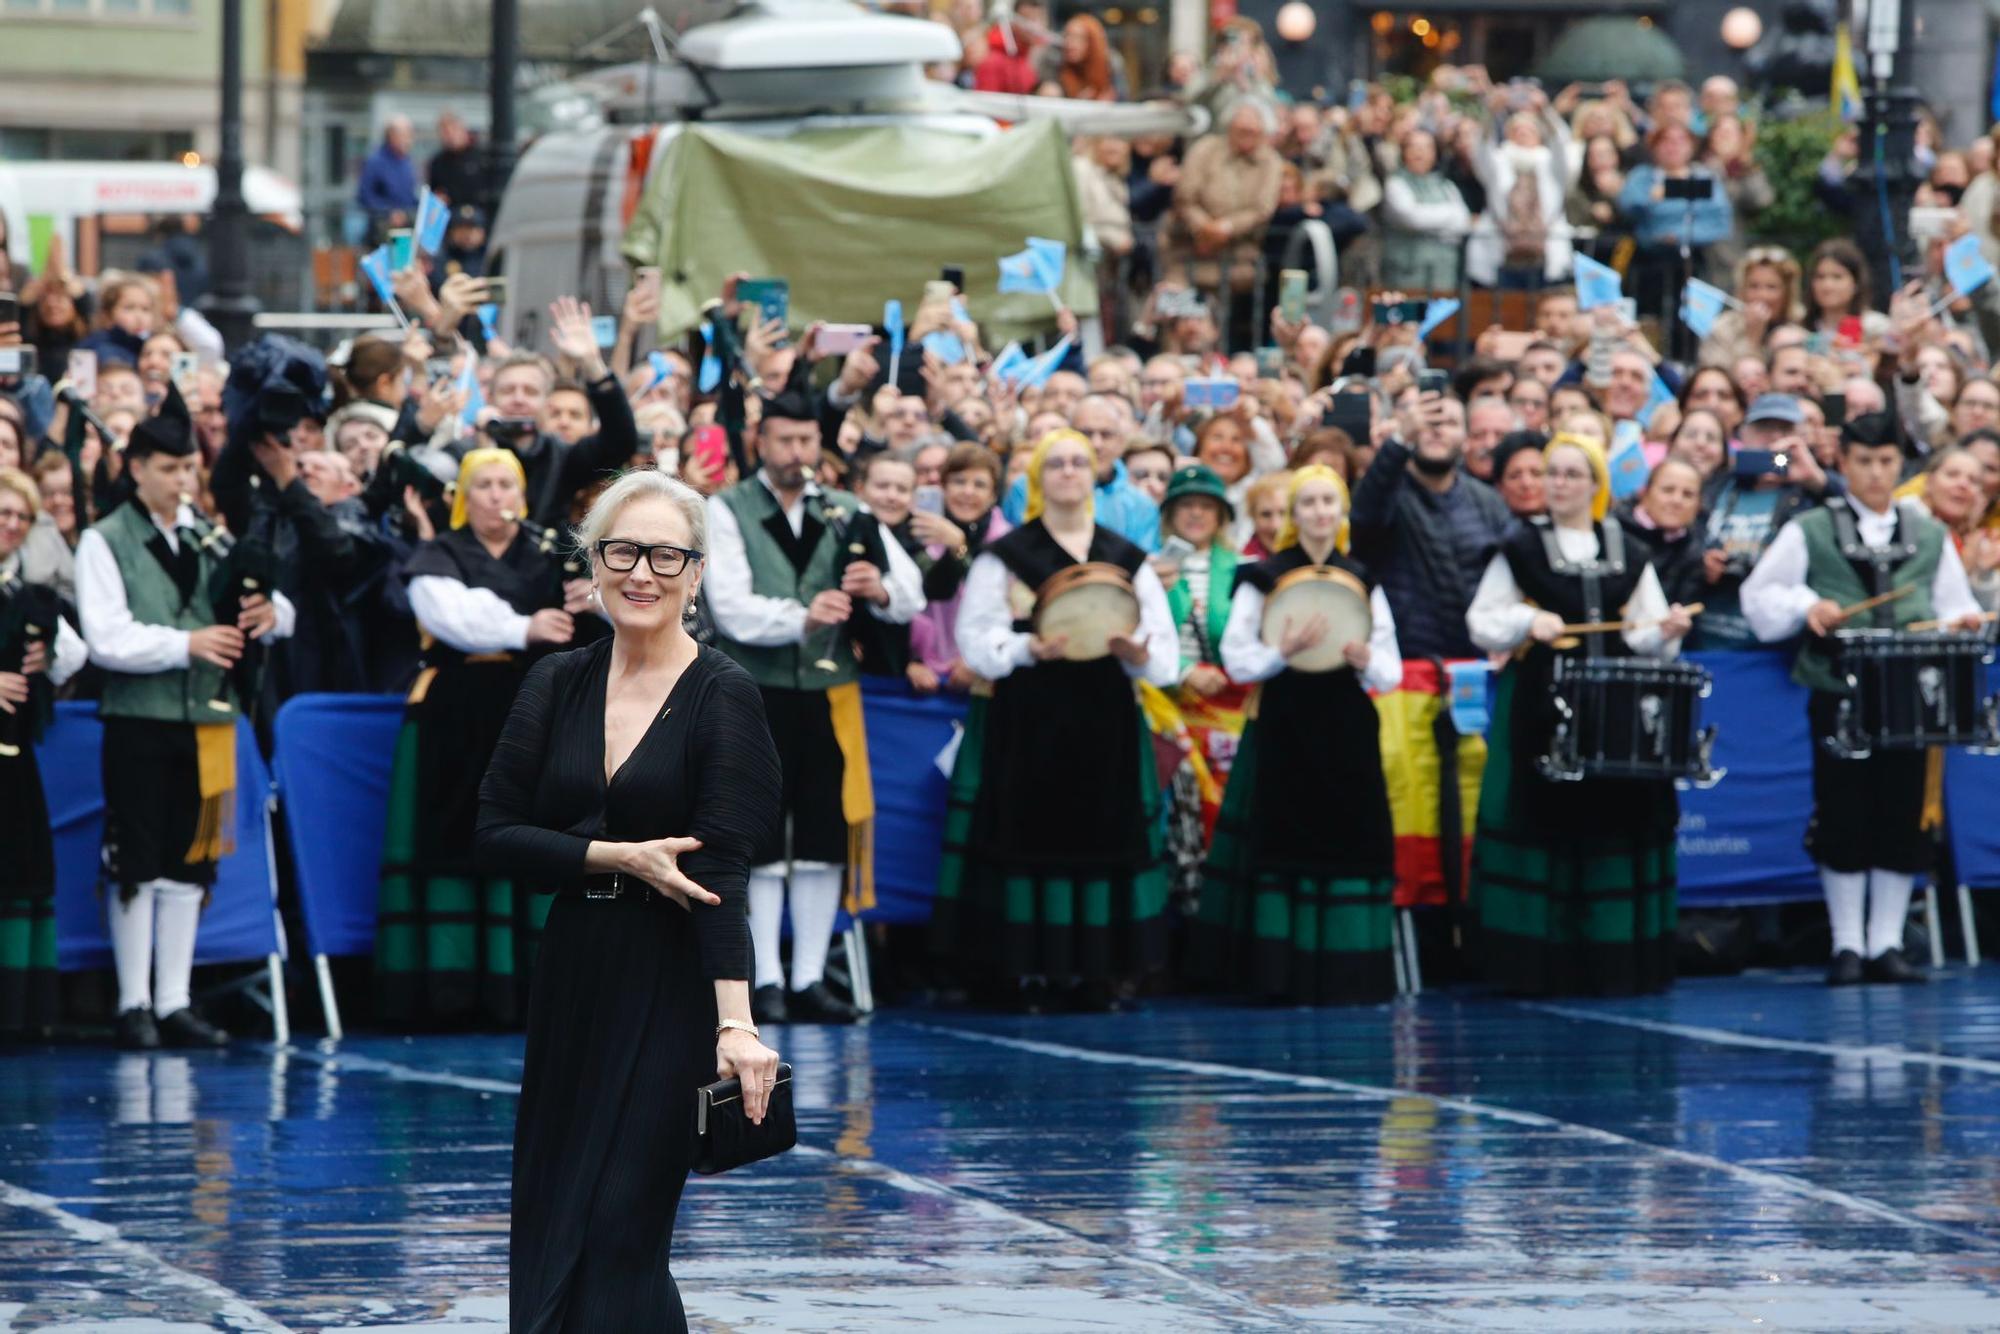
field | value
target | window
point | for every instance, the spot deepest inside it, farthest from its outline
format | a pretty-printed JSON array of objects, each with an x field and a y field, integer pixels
[{"x": 167, "y": 10}]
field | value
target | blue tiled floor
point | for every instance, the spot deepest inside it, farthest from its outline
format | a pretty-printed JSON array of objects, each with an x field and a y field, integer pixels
[{"x": 1753, "y": 1149}]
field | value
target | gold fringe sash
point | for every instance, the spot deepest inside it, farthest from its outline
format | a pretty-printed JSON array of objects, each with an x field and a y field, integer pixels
[
  {"x": 215, "y": 755},
  {"x": 1933, "y": 817},
  {"x": 857, "y": 794}
]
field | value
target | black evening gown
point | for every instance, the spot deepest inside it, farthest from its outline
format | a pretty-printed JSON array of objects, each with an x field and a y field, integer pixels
[{"x": 621, "y": 1012}]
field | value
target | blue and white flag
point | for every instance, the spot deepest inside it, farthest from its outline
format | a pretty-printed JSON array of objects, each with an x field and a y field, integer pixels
[
  {"x": 1038, "y": 269},
  {"x": 710, "y": 374},
  {"x": 892, "y": 324},
  {"x": 1007, "y": 365},
  {"x": 489, "y": 319},
  {"x": 1041, "y": 368},
  {"x": 433, "y": 216},
  {"x": 468, "y": 384},
  {"x": 663, "y": 370},
  {"x": 375, "y": 264},
  {"x": 945, "y": 346},
  {"x": 1436, "y": 313},
  {"x": 1965, "y": 266},
  {"x": 1627, "y": 461},
  {"x": 1702, "y": 305},
  {"x": 1596, "y": 284}
]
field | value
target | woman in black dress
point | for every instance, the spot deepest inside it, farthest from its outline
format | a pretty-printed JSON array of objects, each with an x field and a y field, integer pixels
[
  {"x": 452, "y": 947},
  {"x": 633, "y": 779}
]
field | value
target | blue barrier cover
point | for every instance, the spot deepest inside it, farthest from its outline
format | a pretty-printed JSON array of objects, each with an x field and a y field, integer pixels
[
  {"x": 241, "y": 921},
  {"x": 332, "y": 755}
]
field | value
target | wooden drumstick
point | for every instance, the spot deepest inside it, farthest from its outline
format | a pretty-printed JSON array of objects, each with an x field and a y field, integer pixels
[
  {"x": 1869, "y": 604},
  {"x": 1988, "y": 617},
  {"x": 1609, "y": 627}
]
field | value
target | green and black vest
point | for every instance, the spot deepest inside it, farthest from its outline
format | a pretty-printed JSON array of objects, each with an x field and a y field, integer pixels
[
  {"x": 796, "y": 568},
  {"x": 164, "y": 588},
  {"x": 1842, "y": 567}
]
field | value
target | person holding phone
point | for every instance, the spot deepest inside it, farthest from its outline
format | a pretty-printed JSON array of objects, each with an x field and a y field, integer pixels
[
  {"x": 1052, "y": 878},
  {"x": 1296, "y": 894},
  {"x": 1677, "y": 210},
  {"x": 1574, "y": 883}
]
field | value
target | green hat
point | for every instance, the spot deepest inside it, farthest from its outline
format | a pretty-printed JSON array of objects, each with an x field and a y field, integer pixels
[{"x": 1197, "y": 479}]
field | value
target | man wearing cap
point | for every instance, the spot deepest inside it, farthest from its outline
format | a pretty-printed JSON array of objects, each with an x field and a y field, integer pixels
[
  {"x": 464, "y": 246},
  {"x": 1867, "y": 828},
  {"x": 145, "y": 582},
  {"x": 782, "y": 581},
  {"x": 1772, "y": 478}
]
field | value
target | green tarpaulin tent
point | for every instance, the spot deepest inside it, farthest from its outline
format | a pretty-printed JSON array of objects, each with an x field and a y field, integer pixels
[{"x": 852, "y": 217}]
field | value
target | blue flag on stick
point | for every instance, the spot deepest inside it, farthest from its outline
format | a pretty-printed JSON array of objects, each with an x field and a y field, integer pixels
[
  {"x": 945, "y": 346},
  {"x": 1042, "y": 367},
  {"x": 375, "y": 264},
  {"x": 892, "y": 324},
  {"x": 1436, "y": 313},
  {"x": 1702, "y": 305},
  {"x": 1007, "y": 365},
  {"x": 1037, "y": 270},
  {"x": 1596, "y": 284},
  {"x": 1627, "y": 461},
  {"x": 433, "y": 216},
  {"x": 1965, "y": 265},
  {"x": 710, "y": 374}
]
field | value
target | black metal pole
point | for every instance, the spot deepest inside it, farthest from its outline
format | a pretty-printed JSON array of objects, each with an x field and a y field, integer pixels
[
  {"x": 500, "y": 95},
  {"x": 229, "y": 304},
  {"x": 1887, "y": 171}
]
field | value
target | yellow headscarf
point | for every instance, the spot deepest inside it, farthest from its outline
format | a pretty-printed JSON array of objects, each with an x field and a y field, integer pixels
[
  {"x": 1040, "y": 455},
  {"x": 474, "y": 460},
  {"x": 1288, "y": 536},
  {"x": 1600, "y": 502}
]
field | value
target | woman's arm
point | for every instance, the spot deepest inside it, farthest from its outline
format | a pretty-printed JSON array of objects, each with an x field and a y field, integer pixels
[
  {"x": 737, "y": 803},
  {"x": 507, "y": 840},
  {"x": 1245, "y": 655}
]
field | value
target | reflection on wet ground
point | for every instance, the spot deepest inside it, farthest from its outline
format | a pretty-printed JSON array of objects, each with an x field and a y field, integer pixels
[{"x": 1746, "y": 1150}]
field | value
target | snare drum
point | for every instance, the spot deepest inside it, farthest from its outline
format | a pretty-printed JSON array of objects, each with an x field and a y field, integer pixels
[
  {"x": 1908, "y": 691},
  {"x": 1319, "y": 590},
  {"x": 1090, "y": 605},
  {"x": 1629, "y": 718}
]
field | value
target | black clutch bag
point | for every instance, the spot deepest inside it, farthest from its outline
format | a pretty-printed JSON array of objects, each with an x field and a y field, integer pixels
[{"x": 724, "y": 1136}]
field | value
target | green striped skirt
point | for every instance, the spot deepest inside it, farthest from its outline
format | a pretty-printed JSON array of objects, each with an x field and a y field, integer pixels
[
  {"x": 27, "y": 899},
  {"x": 1573, "y": 911}
]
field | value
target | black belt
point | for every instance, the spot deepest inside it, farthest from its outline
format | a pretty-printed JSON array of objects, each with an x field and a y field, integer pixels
[{"x": 612, "y": 888}]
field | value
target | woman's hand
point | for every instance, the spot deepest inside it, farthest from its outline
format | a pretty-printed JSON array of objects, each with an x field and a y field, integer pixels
[
  {"x": 576, "y": 595},
  {"x": 1355, "y": 651},
  {"x": 657, "y": 862},
  {"x": 420, "y": 518},
  {"x": 935, "y": 530},
  {"x": 13, "y": 690},
  {"x": 1546, "y": 628},
  {"x": 550, "y": 625},
  {"x": 740, "y": 1056},
  {"x": 36, "y": 659},
  {"x": 1206, "y": 679},
  {"x": 1714, "y": 564},
  {"x": 1298, "y": 638},
  {"x": 1132, "y": 652},
  {"x": 1676, "y": 623},
  {"x": 1047, "y": 648},
  {"x": 922, "y": 679}
]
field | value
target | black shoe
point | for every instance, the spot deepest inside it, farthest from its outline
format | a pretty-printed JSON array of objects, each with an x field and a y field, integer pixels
[
  {"x": 185, "y": 1028},
  {"x": 136, "y": 1031},
  {"x": 1891, "y": 966},
  {"x": 818, "y": 1005},
  {"x": 767, "y": 1006}
]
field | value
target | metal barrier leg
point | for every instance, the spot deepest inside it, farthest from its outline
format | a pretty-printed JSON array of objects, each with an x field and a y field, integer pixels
[
  {"x": 1931, "y": 926},
  {"x": 281, "y": 1019},
  {"x": 1409, "y": 934},
  {"x": 1396, "y": 957},
  {"x": 857, "y": 968},
  {"x": 328, "y": 1002},
  {"x": 1967, "y": 927}
]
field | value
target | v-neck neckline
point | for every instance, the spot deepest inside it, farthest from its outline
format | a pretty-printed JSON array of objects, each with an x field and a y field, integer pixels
[{"x": 652, "y": 724}]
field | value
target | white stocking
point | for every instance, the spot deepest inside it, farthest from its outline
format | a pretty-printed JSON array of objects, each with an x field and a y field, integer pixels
[
  {"x": 815, "y": 904},
  {"x": 1888, "y": 909},
  {"x": 132, "y": 946},
  {"x": 1846, "y": 892},
  {"x": 767, "y": 920},
  {"x": 178, "y": 909}
]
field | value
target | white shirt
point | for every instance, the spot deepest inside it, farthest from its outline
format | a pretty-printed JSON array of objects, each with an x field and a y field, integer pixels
[
  {"x": 993, "y": 648},
  {"x": 751, "y": 618},
  {"x": 1499, "y": 617},
  {"x": 118, "y": 641},
  {"x": 1247, "y": 658},
  {"x": 471, "y": 620},
  {"x": 1776, "y": 598}
]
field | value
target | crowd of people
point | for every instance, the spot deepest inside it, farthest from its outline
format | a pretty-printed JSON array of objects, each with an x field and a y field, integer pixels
[{"x": 1214, "y": 791}]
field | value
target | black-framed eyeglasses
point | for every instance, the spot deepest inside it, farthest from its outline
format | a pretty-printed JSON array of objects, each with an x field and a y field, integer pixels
[{"x": 665, "y": 559}]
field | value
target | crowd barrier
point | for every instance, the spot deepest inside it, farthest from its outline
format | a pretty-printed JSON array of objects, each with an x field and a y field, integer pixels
[
  {"x": 1740, "y": 840},
  {"x": 241, "y": 922}
]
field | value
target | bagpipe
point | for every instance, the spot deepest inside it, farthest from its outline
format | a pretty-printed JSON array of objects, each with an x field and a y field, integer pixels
[
  {"x": 568, "y": 560},
  {"x": 245, "y": 567},
  {"x": 28, "y": 615}
]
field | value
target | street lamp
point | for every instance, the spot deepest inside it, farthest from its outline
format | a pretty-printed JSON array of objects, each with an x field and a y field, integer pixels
[{"x": 229, "y": 304}]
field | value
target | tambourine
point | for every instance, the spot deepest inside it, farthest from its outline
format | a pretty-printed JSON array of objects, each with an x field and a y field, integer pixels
[
  {"x": 1319, "y": 590},
  {"x": 1090, "y": 605}
]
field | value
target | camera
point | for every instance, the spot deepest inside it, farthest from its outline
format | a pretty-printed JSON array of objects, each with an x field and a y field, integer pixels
[{"x": 510, "y": 430}]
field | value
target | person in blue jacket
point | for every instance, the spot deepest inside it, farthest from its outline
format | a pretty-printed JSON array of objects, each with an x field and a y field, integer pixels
[{"x": 1661, "y": 222}]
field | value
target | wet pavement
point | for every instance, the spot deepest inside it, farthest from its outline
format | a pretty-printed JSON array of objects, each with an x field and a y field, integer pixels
[{"x": 1751, "y": 1152}]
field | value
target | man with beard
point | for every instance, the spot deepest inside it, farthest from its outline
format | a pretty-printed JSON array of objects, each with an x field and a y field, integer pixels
[
  {"x": 1425, "y": 528},
  {"x": 782, "y": 581}
]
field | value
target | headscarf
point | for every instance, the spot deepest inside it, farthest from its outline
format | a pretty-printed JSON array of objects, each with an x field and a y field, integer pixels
[
  {"x": 1040, "y": 455},
  {"x": 474, "y": 460},
  {"x": 1593, "y": 453},
  {"x": 1288, "y": 536}
]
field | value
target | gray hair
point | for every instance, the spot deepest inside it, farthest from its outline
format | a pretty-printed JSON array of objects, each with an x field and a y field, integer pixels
[
  {"x": 1265, "y": 113},
  {"x": 642, "y": 484}
]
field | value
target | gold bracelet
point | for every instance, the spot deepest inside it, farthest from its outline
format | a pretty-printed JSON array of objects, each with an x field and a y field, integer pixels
[{"x": 739, "y": 1025}]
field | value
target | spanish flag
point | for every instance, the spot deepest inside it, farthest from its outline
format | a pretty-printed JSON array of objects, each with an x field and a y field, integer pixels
[{"x": 1845, "y": 95}]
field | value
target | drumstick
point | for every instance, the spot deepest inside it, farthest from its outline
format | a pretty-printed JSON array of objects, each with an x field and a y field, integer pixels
[
  {"x": 1609, "y": 627},
  {"x": 1869, "y": 604},
  {"x": 1921, "y": 626}
]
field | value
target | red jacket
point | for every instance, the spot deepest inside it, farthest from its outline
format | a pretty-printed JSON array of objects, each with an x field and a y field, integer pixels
[{"x": 1000, "y": 72}]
